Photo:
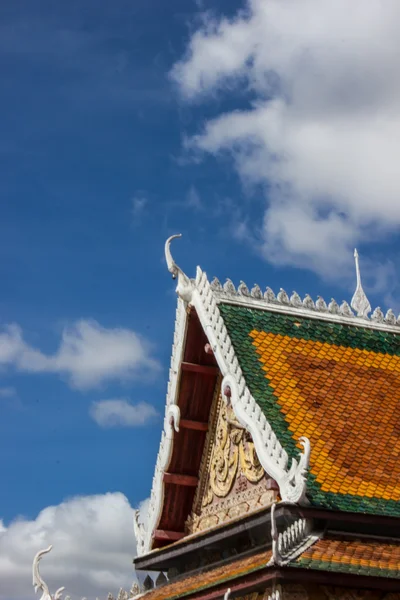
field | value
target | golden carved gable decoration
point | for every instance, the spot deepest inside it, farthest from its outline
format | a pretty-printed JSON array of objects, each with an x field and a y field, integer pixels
[
  {"x": 233, "y": 454},
  {"x": 232, "y": 482}
]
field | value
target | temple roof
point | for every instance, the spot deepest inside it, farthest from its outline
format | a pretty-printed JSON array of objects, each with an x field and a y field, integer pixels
[
  {"x": 336, "y": 384},
  {"x": 335, "y": 554},
  {"x": 359, "y": 556},
  {"x": 209, "y": 578},
  {"x": 299, "y": 553},
  {"x": 316, "y": 386}
]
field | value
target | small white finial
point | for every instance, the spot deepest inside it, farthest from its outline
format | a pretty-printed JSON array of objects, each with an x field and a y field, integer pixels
[
  {"x": 360, "y": 302},
  {"x": 184, "y": 288},
  {"x": 172, "y": 267}
]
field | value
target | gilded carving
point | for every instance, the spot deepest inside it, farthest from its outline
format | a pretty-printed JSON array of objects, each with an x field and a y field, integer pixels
[
  {"x": 232, "y": 481},
  {"x": 233, "y": 454}
]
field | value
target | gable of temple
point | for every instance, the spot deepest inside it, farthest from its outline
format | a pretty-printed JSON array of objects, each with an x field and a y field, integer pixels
[
  {"x": 294, "y": 489},
  {"x": 270, "y": 393}
]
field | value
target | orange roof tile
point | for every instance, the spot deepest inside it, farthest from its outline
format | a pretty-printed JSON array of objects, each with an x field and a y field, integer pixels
[
  {"x": 351, "y": 555},
  {"x": 338, "y": 385},
  {"x": 208, "y": 578}
]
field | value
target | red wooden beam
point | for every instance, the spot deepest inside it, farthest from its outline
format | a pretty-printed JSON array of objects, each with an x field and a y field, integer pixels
[
  {"x": 171, "y": 536},
  {"x": 178, "y": 479},
  {"x": 204, "y": 369},
  {"x": 198, "y": 425}
]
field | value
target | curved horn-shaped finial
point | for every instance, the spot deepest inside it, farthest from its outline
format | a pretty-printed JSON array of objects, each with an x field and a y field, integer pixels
[
  {"x": 37, "y": 580},
  {"x": 184, "y": 289},
  {"x": 172, "y": 266}
]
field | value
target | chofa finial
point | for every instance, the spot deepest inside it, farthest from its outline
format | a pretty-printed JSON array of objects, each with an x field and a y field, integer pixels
[
  {"x": 38, "y": 582},
  {"x": 360, "y": 302},
  {"x": 184, "y": 287},
  {"x": 172, "y": 266}
]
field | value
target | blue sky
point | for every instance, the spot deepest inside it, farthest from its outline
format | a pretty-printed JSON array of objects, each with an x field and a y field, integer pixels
[{"x": 121, "y": 124}]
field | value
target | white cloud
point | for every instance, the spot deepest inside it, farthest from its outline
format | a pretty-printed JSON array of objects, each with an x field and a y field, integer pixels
[
  {"x": 9, "y": 397},
  {"x": 322, "y": 135},
  {"x": 193, "y": 199},
  {"x": 8, "y": 392},
  {"x": 93, "y": 541},
  {"x": 88, "y": 354},
  {"x": 119, "y": 412},
  {"x": 139, "y": 204}
]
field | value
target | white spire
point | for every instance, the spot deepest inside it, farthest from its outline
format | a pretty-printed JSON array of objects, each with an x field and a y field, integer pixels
[{"x": 360, "y": 302}]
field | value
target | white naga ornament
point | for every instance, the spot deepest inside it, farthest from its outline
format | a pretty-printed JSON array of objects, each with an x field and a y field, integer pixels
[
  {"x": 360, "y": 302},
  {"x": 38, "y": 582}
]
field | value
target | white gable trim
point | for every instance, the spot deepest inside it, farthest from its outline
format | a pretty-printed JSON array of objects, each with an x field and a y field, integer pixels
[
  {"x": 273, "y": 457},
  {"x": 145, "y": 525}
]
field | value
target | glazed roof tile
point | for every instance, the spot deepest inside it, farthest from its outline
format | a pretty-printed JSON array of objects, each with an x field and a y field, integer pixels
[
  {"x": 350, "y": 555},
  {"x": 209, "y": 578},
  {"x": 337, "y": 384},
  {"x": 336, "y": 554}
]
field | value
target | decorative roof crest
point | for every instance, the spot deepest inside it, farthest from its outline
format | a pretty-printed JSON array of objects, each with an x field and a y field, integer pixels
[
  {"x": 360, "y": 302},
  {"x": 184, "y": 286},
  {"x": 306, "y": 306}
]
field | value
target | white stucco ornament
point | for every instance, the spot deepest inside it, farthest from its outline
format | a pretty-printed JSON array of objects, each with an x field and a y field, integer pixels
[
  {"x": 360, "y": 302},
  {"x": 38, "y": 582},
  {"x": 292, "y": 542},
  {"x": 184, "y": 286}
]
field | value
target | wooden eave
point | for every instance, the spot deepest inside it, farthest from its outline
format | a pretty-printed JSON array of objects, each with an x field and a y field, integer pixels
[
  {"x": 198, "y": 379},
  {"x": 256, "y": 580},
  {"x": 257, "y": 525}
]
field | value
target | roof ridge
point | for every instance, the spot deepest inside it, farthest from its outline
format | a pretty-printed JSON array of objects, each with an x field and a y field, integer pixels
[{"x": 267, "y": 299}]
